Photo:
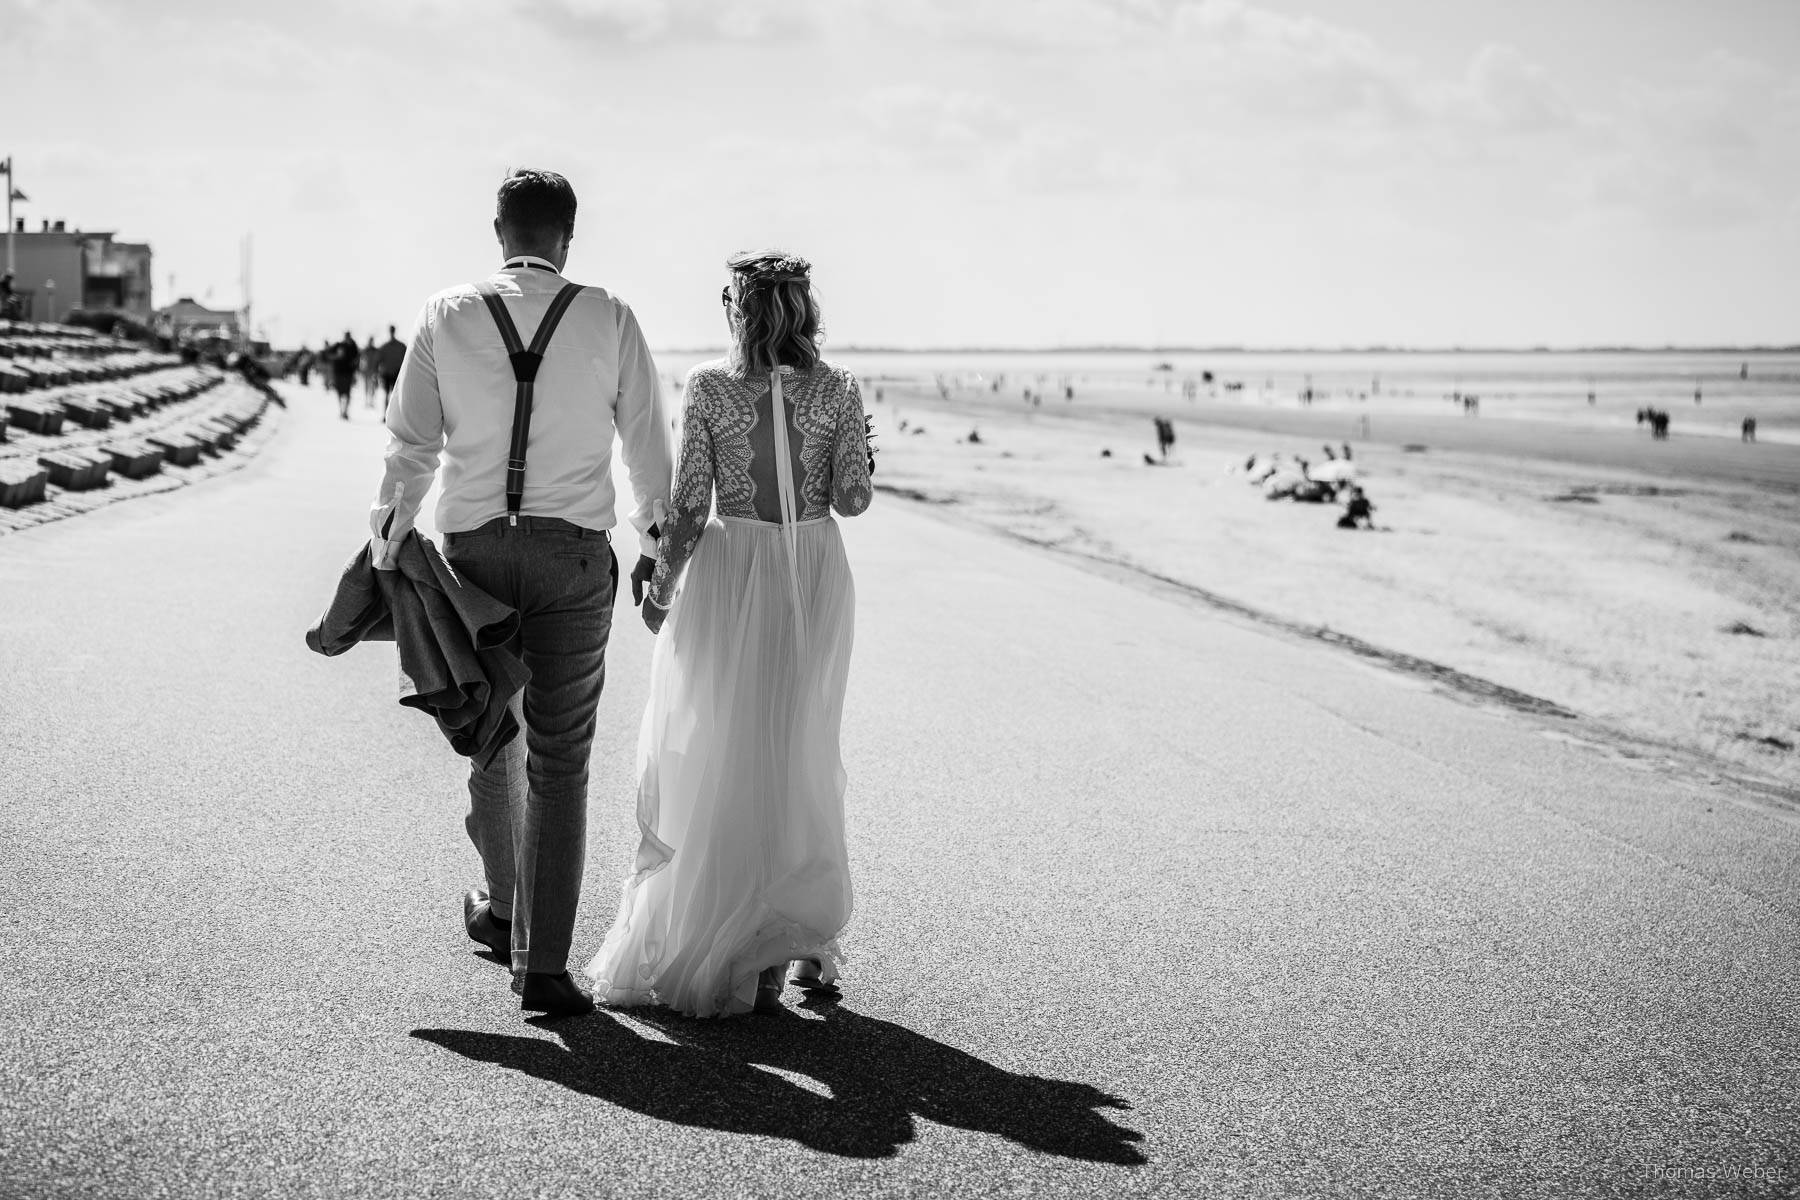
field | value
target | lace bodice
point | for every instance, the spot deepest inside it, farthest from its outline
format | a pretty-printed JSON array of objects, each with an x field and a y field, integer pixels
[{"x": 728, "y": 448}]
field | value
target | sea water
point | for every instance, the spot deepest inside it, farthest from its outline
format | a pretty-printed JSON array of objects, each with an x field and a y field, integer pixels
[{"x": 1704, "y": 391}]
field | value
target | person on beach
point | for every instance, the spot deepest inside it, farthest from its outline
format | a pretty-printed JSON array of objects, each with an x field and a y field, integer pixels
[
  {"x": 1748, "y": 432},
  {"x": 1357, "y": 510},
  {"x": 387, "y": 363},
  {"x": 742, "y": 869},
  {"x": 525, "y": 437}
]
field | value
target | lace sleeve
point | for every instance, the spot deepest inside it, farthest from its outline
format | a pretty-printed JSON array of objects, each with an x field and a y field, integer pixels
[
  {"x": 850, "y": 490},
  {"x": 691, "y": 501}
]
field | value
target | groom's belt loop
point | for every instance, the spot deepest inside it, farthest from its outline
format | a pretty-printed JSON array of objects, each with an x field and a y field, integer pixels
[{"x": 525, "y": 364}]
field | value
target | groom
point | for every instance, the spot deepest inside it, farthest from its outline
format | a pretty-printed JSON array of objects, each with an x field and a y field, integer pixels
[{"x": 525, "y": 438}]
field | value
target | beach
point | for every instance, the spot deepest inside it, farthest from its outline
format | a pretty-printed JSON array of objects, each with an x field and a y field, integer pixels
[
  {"x": 1545, "y": 565},
  {"x": 1601, "y": 390}
]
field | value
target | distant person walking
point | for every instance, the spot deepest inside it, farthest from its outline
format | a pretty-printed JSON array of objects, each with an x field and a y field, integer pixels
[
  {"x": 303, "y": 363},
  {"x": 343, "y": 372},
  {"x": 366, "y": 368},
  {"x": 388, "y": 361},
  {"x": 1749, "y": 431},
  {"x": 1165, "y": 436}
]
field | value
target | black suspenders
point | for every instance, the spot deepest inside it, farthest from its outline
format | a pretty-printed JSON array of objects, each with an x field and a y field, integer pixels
[{"x": 525, "y": 365}]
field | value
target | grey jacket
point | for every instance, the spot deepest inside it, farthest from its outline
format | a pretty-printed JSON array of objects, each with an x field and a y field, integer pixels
[{"x": 454, "y": 642}]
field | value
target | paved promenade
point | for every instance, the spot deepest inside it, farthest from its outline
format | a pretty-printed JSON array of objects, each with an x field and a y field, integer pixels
[{"x": 1150, "y": 903}]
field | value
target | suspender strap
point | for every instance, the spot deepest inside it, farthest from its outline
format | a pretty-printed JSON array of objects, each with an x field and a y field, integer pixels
[{"x": 525, "y": 364}]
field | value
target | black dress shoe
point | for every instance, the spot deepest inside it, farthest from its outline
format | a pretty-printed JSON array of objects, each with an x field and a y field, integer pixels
[
  {"x": 554, "y": 995},
  {"x": 478, "y": 919}
]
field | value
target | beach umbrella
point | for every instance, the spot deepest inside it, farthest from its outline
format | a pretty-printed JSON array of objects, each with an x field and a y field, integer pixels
[{"x": 1335, "y": 471}]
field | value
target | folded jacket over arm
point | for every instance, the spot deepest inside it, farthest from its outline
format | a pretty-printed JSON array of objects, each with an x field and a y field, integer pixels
[{"x": 454, "y": 642}]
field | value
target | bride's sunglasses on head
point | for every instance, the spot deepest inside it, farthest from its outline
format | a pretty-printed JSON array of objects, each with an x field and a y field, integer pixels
[{"x": 725, "y": 295}]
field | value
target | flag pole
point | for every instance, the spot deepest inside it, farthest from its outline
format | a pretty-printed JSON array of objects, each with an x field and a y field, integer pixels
[{"x": 7, "y": 165}]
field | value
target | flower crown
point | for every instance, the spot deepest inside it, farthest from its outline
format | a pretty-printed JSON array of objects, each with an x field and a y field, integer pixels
[{"x": 788, "y": 269}]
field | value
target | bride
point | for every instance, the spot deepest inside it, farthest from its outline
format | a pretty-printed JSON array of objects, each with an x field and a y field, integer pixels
[{"x": 741, "y": 865}]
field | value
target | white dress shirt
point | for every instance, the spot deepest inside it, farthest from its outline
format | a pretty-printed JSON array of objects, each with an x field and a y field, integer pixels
[{"x": 454, "y": 403}]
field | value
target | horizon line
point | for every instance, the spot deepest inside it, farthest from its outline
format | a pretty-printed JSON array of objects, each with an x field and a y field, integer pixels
[{"x": 1669, "y": 348}]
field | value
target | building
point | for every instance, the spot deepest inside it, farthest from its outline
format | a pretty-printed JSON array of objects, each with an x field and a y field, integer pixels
[
  {"x": 56, "y": 270},
  {"x": 187, "y": 319},
  {"x": 118, "y": 275}
]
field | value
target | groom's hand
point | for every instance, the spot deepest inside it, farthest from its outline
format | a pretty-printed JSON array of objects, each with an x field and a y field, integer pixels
[
  {"x": 384, "y": 555},
  {"x": 640, "y": 575}
]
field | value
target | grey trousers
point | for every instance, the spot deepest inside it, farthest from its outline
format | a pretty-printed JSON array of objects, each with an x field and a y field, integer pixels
[{"x": 528, "y": 809}]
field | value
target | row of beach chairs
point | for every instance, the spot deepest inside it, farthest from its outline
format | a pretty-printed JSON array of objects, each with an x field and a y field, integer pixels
[
  {"x": 25, "y": 478},
  {"x": 21, "y": 374}
]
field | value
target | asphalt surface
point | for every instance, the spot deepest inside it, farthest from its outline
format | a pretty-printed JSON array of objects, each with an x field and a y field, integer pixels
[{"x": 1150, "y": 903}]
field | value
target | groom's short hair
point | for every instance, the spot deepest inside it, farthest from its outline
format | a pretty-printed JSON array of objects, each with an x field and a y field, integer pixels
[{"x": 535, "y": 207}]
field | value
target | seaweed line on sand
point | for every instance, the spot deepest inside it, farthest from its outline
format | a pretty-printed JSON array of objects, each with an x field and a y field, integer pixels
[{"x": 1456, "y": 683}]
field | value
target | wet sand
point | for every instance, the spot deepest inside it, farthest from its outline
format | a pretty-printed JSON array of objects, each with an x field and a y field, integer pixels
[
  {"x": 1651, "y": 586},
  {"x": 1694, "y": 456}
]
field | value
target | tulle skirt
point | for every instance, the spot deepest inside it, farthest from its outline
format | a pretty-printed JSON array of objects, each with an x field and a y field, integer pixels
[{"x": 741, "y": 862}]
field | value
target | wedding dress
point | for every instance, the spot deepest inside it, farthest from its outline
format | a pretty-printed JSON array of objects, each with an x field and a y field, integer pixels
[{"x": 741, "y": 862}]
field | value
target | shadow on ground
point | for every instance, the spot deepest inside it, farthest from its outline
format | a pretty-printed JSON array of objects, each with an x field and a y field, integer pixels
[{"x": 717, "y": 1075}]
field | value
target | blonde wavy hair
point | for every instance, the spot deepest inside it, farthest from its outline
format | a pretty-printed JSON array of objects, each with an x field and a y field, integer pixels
[{"x": 777, "y": 318}]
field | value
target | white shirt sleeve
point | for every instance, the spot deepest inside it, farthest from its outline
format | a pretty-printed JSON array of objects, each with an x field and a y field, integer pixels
[
  {"x": 415, "y": 423},
  {"x": 641, "y": 416}
]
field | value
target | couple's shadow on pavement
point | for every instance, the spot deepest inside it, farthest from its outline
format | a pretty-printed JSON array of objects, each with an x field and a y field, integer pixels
[{"x": 715, "y": 1075}]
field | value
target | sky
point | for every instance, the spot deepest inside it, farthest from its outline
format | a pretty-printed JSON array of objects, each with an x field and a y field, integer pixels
[{"x": 1017, "y": 173}]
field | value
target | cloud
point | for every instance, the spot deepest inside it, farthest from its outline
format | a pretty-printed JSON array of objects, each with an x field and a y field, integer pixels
[
  {"x": 1052, "y": 159},
  {"x": 30, "y": 24},
  {"x": 1508, "y": 92},
  {"x": 647, "y": 21},
  {"x": 977, "y": 135},
  {"x": 1297, "y": 66},
  {"x": 938, "y": 128},
  {"x": 1018, "y": 24},
  {"x": 1710, "y": 148}
]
